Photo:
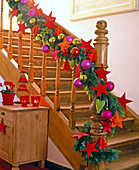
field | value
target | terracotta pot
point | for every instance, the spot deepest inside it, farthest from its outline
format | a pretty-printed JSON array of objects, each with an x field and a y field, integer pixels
[
  {"x": 24, "y": 99},
  {"x": 8, "y": 98}
]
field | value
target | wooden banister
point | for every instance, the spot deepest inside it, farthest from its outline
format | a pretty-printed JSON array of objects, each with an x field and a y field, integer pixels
[
  {"x": 31, "y": 69},
  {"x": 1, "y": 26},
  {"x": 43, "y": 80},
  {"x": 57, "y": 85},
  {"x": 72, "y": 116},
  {"x": 20, "y": 49},
  {"x": 10, "y": 41}
]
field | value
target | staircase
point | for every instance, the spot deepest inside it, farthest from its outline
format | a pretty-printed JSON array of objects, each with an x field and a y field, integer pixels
[{"x": 126, "y": 139}]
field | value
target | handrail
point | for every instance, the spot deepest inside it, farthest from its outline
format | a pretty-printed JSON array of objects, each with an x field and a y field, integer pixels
[
  {"x": 10, "y": 41},
  {"x": 1, "y": 26},
  {"x": 20, "y": 49}
]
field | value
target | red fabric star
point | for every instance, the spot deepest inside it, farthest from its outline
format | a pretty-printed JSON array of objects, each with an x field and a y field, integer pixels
[
  {"x": 54, "y": 54},
  {"x": 30, "y": 4},
  {"x": 49, "y": 23},
  {"x": 86, "y": 45},
  {"x": 2, "y": 126},
  {"x": 102, "y": 144},
  {"x": 80, "y": 135},
  {"x": 65, "y": 44},
  {"x": 66, "y": 66},
  {"x": 58, "y": 31},
  {"x": 123, "y": 101},
  {"x": 102, "y": 73},
  {"x": 22, "y": 28},
  {"x": 39, "y": 12},
  {"x": 35, "y": 29},
  {"x": 78, "y": 70},
  {"x": 50, "y": 17},
  {"x": 14, "y": 12},
  {"x": 107, "y": 126},
  {"x": 90, "y": 148},
  {"x": 100, "y": 89},
  {"x": 117, "y": 120},
  {"x": 92, "y": 56}
]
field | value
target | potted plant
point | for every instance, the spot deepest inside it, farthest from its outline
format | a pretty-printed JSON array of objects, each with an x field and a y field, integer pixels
[{"x": 7, "y": 92}]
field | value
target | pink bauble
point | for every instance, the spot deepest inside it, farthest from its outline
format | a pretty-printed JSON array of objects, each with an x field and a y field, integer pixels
[
  {"x": 106, "y": 114},
  {"x": 110, "y": 85},
  {"x": 69, "y": 38},
  {"x": 45, "y": 49},
  {"x": 23, "y": 1},
  {"x": 77, "y": 83},
  {"x": 31, "y": 12},
  {"x": 86, "y": 64}
]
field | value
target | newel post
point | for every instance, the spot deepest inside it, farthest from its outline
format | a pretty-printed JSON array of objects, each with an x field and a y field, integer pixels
[
  {"x": 101, "y": 46},
  {"x": 1, "y": 26}
]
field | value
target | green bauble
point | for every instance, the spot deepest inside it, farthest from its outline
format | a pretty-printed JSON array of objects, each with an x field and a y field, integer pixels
[
  {"x": 76, "y": 41},
  {"x": 52, "y": 40},
  {"x": 32, "y": 20},
  {"x": 38, "y": 38},
  {"x": 60, "y": 36},
  {"x": 83, "y": 77},
  {"x": 16, "y": 0}
]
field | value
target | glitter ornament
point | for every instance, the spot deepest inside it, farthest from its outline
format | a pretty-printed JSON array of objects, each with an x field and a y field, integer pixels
[{"x": 86, "y": 64}]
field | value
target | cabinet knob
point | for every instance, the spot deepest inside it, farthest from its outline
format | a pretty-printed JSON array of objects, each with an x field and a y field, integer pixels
[{"x": 2, "y": 113}]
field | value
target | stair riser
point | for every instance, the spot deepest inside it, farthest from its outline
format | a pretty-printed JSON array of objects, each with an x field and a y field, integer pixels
[{"x": 16, "y": 34}]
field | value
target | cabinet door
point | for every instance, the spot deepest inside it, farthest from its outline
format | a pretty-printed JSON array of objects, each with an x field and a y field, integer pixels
[{"x": 6, "y": 141}]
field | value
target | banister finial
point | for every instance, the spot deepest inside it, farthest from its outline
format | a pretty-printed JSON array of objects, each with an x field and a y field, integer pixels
[{"x": 102, "y": 24}]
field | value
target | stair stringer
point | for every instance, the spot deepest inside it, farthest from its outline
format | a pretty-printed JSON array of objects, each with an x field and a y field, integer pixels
[{"x": 58, "y": 129}]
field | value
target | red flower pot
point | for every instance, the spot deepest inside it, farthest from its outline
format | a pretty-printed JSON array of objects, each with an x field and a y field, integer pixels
[
  {"x": 24, "y": 100},
  {"x": 35, "y": 99},
  {"x": 8, "y": 98}
]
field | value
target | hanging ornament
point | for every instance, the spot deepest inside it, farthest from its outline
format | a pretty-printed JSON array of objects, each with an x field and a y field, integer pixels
[
  {"x": 2, "y": 126},
  {"x": 107, "y": 126},
  {"x": 49, "y": 23},
  {"x": 57, "y": 31},
  {"x": 66, "y": 66},
  {"x": 99, "y": 105},
  {"x": 52, "y": 40},
  {"x": 86, "y": 45},
  {"x": 86, "y": 64},
  {"x": 45, "y": 49},
  {"x": 102, "y": 144},
  {"x": 65, "y": 51},
  {"x": 77, "y": 83},
  {"x": 32, "y": 20},
  {"x": 49, "y": 17},
  {"x": 35, "y": 29},
  {"x": 23, "y": 1},
  {"x": 64, "y": 44},
  {"x": 54, "y": 54},
  {"x": 100, "y": 89},
  {"x": 80, "y": 135},
  {"x": 14, "y": 12},
  {"x": 78, "y": 70},
  {"x": 76, "y": 41},
  {"x": 83, "y": 78},
  {"x": 74, "y": 52},
  {"x": 38, "y": 38},
  {"x": 31, "y": 12},
  {"x": 16, "y": 0},
  {"x": 110, "y": 85},
  {"x": 117, "y": 120},
  {"x": 92, "y": 55},
  {"x": 123, "y": 101},
  {"x": 22, "y": 28},
  {"x": 69, "y": 38},
  {"x": 60, "y": 37},
  {"x": 106, "y": 114}
]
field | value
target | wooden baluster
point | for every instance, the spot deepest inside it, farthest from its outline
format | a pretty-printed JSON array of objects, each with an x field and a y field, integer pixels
[
  {"x": 43, "y": 80},
  {"x": 72, "y": 116},
  {"x": 31, "y": 68},
  {"x": 10, "y": 41},
  {"x": 57, "y": 84},
  {"x": 101, "y": 46},
  {"x": 20, "y": 49},
  {"x": 1, "y": 26}
]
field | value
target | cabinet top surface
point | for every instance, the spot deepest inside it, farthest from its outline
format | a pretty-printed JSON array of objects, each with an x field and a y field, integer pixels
[{"x": 17, "y": 107}]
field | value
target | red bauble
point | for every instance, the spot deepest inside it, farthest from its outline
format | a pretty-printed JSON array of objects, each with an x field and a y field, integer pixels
[
  {"x": 65, "y": 51},
  {"x": 74, "y": 52},
  {"x": 110, "y": 85},
  {"x": 107, "y": 114}
]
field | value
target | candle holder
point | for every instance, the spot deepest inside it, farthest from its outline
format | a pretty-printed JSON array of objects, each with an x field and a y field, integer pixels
[
  {"x": 35, "y": 99},
  {"x": 24, "y": 99}
]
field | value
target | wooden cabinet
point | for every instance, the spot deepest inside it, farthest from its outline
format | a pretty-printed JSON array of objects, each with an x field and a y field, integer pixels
[{"x": 25, "y": 138}]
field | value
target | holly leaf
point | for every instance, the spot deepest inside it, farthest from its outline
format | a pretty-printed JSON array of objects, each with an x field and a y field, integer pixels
[{"x": 19, "y": 17}]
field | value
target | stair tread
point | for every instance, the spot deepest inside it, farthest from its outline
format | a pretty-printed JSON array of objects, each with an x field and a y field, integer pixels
[
  {"x": 122, "y": 138},
  {"x": 124, "y": 162},
  {"x": 27, "y": 47},
  {"x": 76, "y": 106},
  {"x": 63, "y": 79},
  {"x": 63, "y": 92},
  {"x": 27, "y": 56}
]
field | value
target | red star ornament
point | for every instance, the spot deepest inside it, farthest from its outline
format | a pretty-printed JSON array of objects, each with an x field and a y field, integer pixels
[
  {"x": 80, "y": 135},
  {"x": 102, "y": 73},
  {"x": 86, "y": 45},
  {"x": 2, "y": 126},
  {"x": 49, "y": 23},
  {"x": 22, "y": 28},
  {"x": 78, "y": 70},
  {"x": 90, "y": 148},
  {"x": 58, "y": 31},
  {"x": 30, "y": 4},
  {"x": 107, "y": 126},
  {"x": 100, "y": 89},
  {"x": 54, "y": 54},
  {"x": 39, "y": 12},
  {"x": 35, "y": 29},
  {"x": 102, "y": 144},
  {"x": 65, "y": 44},
  {"x": 49, "y": 17},
  {"x": 123, "y": 101},
  {"x": 66, "y": 66},
  {"x": 92, "y": 56},
  {"x": 117, "y": 120},
  {"x": 14, "y": 12}
]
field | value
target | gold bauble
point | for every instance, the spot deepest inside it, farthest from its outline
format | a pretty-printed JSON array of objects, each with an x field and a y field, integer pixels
[
  {"x": 60, "y": 36},
  {"x": 16, "y": 0},
  {"x": 76, "y": 41},
  {"x": 32, "y": 21},
  {"x": 83, "y": 77},
  {"x": 52, "y": 40},
  {"x": 38, "y": 38}
]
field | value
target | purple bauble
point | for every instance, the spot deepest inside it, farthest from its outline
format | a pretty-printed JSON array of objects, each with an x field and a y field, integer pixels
[
  {"x": 45, "y": 49},
  {"x": 77, "y": 83},
  {"x": 86, "y": 64},
  {"x": 23, "y": 1},
  {"x": 107, "y": 114},
  {"x": 110, "y": 85},
  {"x": 31, "y": 12},
  {"x": 69, "y": 38}
]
